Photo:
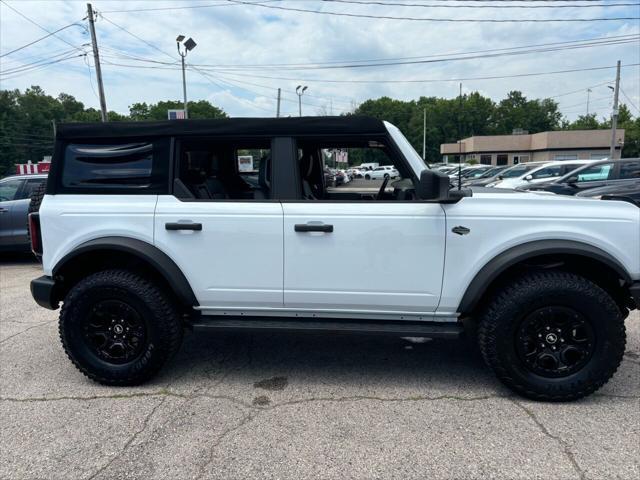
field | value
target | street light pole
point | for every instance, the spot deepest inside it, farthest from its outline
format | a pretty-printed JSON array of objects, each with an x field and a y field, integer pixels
[
  {"x": 300, "y": 91},
  {"x": 188, "y": 46},
  {"x": 614, "y": 115}
]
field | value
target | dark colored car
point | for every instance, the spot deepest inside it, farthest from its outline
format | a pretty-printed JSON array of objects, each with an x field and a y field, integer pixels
[
  {"x": 623, "y": 190},
  {"x": 598, "y": 174},
  {"x": 15, "y": 193}
]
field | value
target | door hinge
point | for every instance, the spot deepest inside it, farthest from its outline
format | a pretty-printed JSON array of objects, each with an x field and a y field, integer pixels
[{"x": 460, "y": 230}]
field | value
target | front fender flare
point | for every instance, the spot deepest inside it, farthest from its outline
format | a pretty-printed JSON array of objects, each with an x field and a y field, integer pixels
[{"x": 519, "y": 253}]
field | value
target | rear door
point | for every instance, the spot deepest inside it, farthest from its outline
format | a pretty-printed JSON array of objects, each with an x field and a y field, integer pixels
[
  {"x": 223, "y": 227},
  {"x": 20, "y": 211},
  {"x": 9, "y": 192}
]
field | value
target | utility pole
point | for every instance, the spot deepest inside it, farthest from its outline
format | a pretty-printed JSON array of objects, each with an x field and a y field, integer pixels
[
  {"x": 614, "y": 114},
  {"x": 588, "y": 94},
  {"x": 96, "y": 60},
  {"x": 278, "y": 107},
  {"x": 424, "y": 134}
]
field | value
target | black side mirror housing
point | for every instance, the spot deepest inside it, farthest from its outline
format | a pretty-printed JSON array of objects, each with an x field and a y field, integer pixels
[
  {"x": 433, "y": 185},
  {"x": 572, "y": 180}
]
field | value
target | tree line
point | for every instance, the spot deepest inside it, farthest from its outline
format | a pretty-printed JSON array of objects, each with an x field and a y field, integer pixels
[{"x": 26, "y": 119}]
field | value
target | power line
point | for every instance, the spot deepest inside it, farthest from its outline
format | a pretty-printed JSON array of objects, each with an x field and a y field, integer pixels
[
  {"x": 423, "y": 5},
  {"x": 437, "y": 80},
  {"x": 448, "y": 20},
  {"x": 40, "y": 39},
  {"x": 17, "y": 72},
  {"x": 581, "y": 90},
  {"x": 186, "y": 7},
  {"x": 629, "y": 100},
  {"x": 40, "y": 26},
  {"x": 23, "y": 66},
  {"x": 451, "y": 59}
]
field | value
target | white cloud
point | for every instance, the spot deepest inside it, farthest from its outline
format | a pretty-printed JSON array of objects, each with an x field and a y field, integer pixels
[{"x": 240, "y": 34}]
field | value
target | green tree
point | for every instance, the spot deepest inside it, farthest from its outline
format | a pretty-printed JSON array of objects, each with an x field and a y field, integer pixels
[
  {"x": 516, "y": 111},
  {"x": 158, "y": 111}
]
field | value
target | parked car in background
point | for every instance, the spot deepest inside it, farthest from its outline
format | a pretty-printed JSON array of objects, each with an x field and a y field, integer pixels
[
  {"x": 369, "y": 166},
  {"x": 597, "y": 174},
  {"x": 627, "y": 189},
  {"x": 15, "y": 193},
  {"x": 329, "y": 178},
  {"x": 543, "y": 173},
  {"x": 485, "y": 177},
  {"x": 513, "y": 171},
  {"x": 382, "y": 172},
  {"x": 468, "y": 172}
]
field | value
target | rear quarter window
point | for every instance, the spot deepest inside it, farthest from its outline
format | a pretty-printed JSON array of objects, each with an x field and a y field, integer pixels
[{"x": 116, "y": 167}]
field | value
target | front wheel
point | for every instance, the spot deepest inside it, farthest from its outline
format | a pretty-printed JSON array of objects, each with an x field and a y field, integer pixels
[
  {"x": 118, "y": 328},
  {"x": 552, "y": 336},
  {"x": 367, "y": 177}
]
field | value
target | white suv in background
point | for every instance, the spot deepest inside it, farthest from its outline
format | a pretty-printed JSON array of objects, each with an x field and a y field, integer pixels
[
  {"x": 541, "y": 173},
  {"x": 385, "y": 171}
]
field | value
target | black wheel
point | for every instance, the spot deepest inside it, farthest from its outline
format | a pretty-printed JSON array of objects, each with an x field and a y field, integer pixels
[
  {"x": 552, "y": 336},
  {"x": 386, "y": 175},
  {"x": 368, "y": 177},
  {"x": 118, "y": 328}
]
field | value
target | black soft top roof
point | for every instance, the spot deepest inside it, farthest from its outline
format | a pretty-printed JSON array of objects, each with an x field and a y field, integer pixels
[{"x": 349, "y": 125}]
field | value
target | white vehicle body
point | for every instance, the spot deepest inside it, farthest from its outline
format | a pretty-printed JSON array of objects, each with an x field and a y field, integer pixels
[
  {"x": 432, "y": 267},
  {"x": 138, "y": 251},
  {"x": 543, "y": 173},
  {"x": 382, "y": 172}
]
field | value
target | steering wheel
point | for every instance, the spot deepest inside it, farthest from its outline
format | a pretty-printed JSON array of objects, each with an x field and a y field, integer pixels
[{"x": 380, "y": 195}]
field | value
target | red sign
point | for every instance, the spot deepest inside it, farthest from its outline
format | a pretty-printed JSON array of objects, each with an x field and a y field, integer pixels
[{"x": 32, "y": 168}]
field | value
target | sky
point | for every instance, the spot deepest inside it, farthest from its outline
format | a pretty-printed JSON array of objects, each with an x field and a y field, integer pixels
[{"x": 237, "y": 63}]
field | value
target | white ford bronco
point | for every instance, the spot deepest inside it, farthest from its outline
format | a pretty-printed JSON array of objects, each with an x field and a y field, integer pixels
[{"x": 149, "y": 228}]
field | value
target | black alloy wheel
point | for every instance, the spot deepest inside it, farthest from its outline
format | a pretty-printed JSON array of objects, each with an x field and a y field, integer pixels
[
  {"x": 115, "y": 331},
  {"x": 555, "y": 341}
]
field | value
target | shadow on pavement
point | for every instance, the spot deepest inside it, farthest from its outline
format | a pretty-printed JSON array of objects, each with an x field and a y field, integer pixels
[
  {"x": 325, "y": 358},
  {"x": 17, "y": 258}
]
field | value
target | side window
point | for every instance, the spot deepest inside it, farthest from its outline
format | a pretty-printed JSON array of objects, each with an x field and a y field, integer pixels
[
  {"x": 131, "y": 167},
  {"x": 630, "y": 170},
  {"x": 30, "y": 186},
  {"x": 225, "y": 170},
  {"x": 9, "y": 189},
  {"x": 595, "y": 173},
  {"x": 350, "y": 170},
  {"x": 548, "y": 172}
]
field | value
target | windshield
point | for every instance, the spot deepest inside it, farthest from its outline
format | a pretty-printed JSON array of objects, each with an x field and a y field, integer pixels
[{"x": 415, "y": 161}]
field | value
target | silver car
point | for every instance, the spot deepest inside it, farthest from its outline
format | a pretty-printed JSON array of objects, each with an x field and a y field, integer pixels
[{"x": 15, "y": 194}]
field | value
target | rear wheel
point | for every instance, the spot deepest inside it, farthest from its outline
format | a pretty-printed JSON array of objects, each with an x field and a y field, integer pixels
[
  {"x": 368, "y": 177},
  {"x": 552, "y": 336},
  {"x": 118, "y": 328}
]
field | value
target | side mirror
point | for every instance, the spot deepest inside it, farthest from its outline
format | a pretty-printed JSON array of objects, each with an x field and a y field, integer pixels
[
  {"x": 433, "y": 185},
  {"x": 572, "y": 180},
  {"x": 500, "y": 177},
  {"x": 528, "y": 178}
]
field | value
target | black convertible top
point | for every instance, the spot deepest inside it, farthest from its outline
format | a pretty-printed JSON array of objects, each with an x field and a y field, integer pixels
[{"x": 354, "y": 125}]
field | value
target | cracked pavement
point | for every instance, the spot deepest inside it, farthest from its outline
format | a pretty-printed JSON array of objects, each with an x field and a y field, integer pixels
[{"x": 294, "y": 406}]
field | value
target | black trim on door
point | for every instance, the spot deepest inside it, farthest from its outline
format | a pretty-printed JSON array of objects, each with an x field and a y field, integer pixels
[{"x": 307, "y": 227}]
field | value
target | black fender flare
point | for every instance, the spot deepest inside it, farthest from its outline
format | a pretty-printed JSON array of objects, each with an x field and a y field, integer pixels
[
  {"x": 151, "y": 254},
  {"x": 519, "y": 253}
]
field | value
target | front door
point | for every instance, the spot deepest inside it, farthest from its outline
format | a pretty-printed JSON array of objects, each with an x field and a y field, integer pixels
[
  {"x": 363, "y": 257},
  {"x": 9, "y": 192}
]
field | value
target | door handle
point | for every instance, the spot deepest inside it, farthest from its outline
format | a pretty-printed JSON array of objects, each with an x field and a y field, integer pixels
[
  {"x": 306, "y": 227},
  {"x": 3, "y": 210},
  {"x": 183, "y": 226}
]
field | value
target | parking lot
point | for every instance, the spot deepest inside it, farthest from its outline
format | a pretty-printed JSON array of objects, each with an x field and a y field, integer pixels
[{"x": 291, "y": 406}]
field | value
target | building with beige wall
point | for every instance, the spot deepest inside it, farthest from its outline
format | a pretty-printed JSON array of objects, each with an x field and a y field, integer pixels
[{"x": 536, "y": 147}]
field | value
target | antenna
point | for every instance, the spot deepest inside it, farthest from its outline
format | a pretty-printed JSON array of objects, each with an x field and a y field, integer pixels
[{"x": 460, "y": 141}]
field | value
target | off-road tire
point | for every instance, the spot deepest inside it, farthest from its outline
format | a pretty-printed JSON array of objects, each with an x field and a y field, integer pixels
[
  {"x": 37, "y": 196},
  {"x": 507, "y": 308},
  {"x": 163, "y": 326}
]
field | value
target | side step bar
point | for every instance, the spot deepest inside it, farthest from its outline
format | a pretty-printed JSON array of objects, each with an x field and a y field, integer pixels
[{"x": 396, "y": 328}]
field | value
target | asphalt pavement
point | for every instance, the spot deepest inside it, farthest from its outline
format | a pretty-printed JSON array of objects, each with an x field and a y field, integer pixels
[{"x": 295, "y": 407}]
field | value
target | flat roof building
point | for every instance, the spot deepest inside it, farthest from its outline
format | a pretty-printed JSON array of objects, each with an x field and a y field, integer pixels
[{"x": 525, "y": 147}]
